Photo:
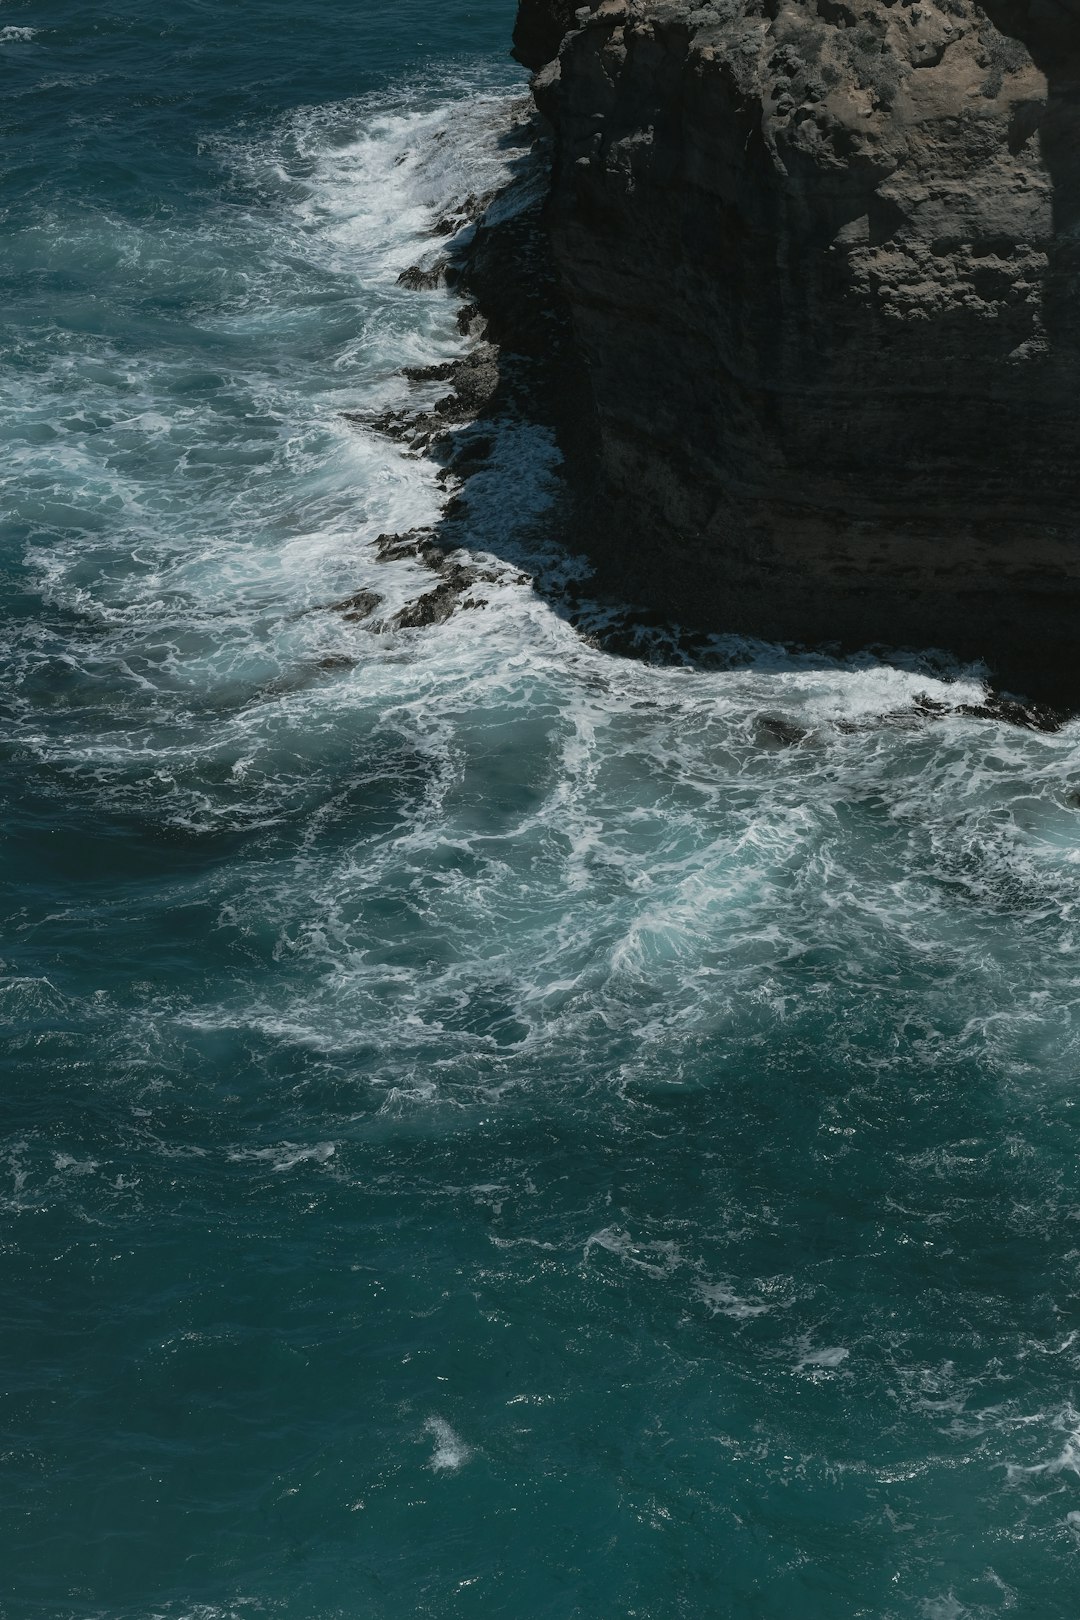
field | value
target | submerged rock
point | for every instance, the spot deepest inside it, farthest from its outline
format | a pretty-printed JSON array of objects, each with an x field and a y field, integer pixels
[{"x": 821, "y": 263}]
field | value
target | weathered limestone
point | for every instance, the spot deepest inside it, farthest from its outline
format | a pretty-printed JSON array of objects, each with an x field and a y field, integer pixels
[{"x": 823, "y": 265}]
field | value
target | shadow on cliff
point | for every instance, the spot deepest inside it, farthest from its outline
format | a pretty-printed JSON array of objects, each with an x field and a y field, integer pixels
[{"x": 1050, "y": 30}]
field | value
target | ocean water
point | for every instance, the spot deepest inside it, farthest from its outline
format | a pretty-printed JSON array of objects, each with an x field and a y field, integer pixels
[{"x": 490, "y": 1128}]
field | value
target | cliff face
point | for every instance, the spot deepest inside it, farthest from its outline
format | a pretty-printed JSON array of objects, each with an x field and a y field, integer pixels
[
  {"x": 539, "y": 29},
  {"x": 823, "y": 263}
]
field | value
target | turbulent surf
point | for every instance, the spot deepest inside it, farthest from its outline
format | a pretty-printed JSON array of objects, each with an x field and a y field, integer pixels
[{"x": 490, "y": 1125}]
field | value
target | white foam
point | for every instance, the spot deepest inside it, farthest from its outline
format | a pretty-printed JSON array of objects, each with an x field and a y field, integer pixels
[
  {"x": 722, "y": 1300},
  {"x": 656, "y": 1259},
  {"x": 1065, "y": 1461},
  {"x": 947, "y": 1607},
  {"x": 824, "y": 1358},
  {"x": 601, "y": 855},
  {"x": 71, "y": 1166},
  {"x": 451, "y": 1452},
  {"x": 284, "y": 1156}
]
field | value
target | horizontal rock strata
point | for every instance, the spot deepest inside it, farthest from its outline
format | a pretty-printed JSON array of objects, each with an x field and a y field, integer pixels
[{"x": 822, "y": 264}]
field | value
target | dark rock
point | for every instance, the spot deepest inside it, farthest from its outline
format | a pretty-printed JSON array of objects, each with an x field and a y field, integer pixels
[
  {"x": 302, "y": 678},
  {"x": 1015, "y": 712},
  {"x": 337, "y": 663},
  {"x": 475, "y": 381},
  {"x": 540, "y": 27},
  {"x": 1010, "y": 711},
  {"x": 439, "y": 373},
  {"x": 775, "y": 732},
  {"x": 361, "y": 605},
  {"x": 466, "y": 214},
  {"x": 415, "y": 544},
  {"x": 822, "y": 269},
  {"x": 436, "y": 606},
  {"x": 399, "y": 425},
  {"x": 470, "y": 453},
  {"x": 470, "y": 322},
  {"x": 418, "y": 279}
]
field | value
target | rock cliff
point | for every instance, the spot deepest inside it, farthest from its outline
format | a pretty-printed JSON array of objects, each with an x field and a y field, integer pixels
[{"x": 822, "y": 259}]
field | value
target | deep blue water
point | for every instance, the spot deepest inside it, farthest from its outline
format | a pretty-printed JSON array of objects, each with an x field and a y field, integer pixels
[{"x": 489, "y": 1129}]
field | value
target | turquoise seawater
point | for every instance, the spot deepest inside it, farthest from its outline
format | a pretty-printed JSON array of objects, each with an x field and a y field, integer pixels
[{"x": 489, "y": 1128}]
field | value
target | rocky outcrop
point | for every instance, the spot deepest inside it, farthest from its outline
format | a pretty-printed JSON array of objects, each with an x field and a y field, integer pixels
[
  {"x": 823, "y": 266},
  {"x": 539, "y": 29}
]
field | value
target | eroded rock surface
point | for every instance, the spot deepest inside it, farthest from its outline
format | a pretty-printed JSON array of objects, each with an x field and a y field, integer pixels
[{"x": 823, "y": 268}]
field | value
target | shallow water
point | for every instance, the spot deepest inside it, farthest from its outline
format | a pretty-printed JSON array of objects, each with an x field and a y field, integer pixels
[{"x": 489, "y": 1127}]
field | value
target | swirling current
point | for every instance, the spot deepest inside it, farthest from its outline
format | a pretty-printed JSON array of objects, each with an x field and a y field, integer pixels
[{"x": 489, "y": 1127}]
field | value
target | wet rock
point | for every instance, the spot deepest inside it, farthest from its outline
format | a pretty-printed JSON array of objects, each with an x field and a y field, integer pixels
[
  {"x": 398, "y": 425},
  {"x": 419, "y": 545},
  {"x": 358, "y": 607},
  {"x": 466, "y": 214},
  {"x": 774, "y": 732},
  {"x": 438, "y": 373},
  {"x": 337, "y": 663},
  {"x": 470, "y": 322},
  {"x": 1015, "y": 712},
  {"x": 475, "y": 379},
  {"x": 420, "y": 279},
  {"x": 1010, "y": 711},
  {"x": 1006, "y": 710},
  {"x": 303, "y": 678},
  {"x": 436, "y": 606},
  {"x": 471, "y": 453}
]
